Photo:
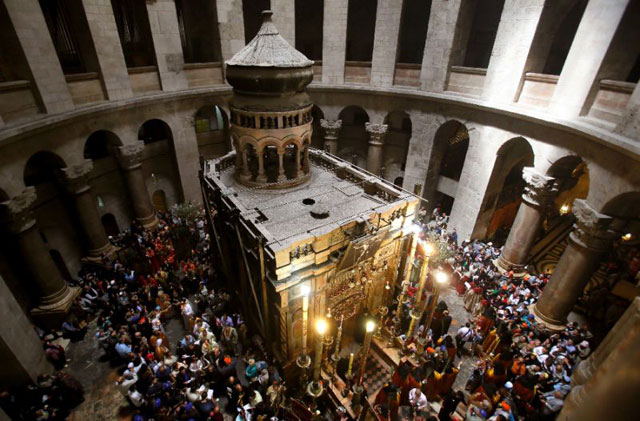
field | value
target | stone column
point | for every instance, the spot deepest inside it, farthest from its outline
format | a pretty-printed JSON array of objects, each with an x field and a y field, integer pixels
[
  {"x": 167, "y": 45},
  {"x": 518, "y": 25},
  {"x": 438, "y": 49},
  {"x": 376, "y": 142},
  {"x": 385, "y": 42},
  {"x": 284, "y": 17},
  {"x": 262, "y": 177},
  {"x": 590, "y": 44},
  {"x": 331, "y": 131},
  {"x": 306, "y": 165},
  {"x": 231, "y": 27},
  {"x": 281, "y": 174},
  {"x": 334, "y": 41},
  {"x": 629, "y": 322},
  {"x": 75, "y": 180},
  {"x": 21, "y": 351},
  {"x": 298, "y": 160},
  {"x": 52, "y": 294},
  {"x": 245, "y": 173},
  {"x": 106, "y": 41},
  {"x": 587, "y": 242},
  {"x": 129, "y": 160},
  {"x": 630, "y": 124},
  {"x": 539, "y": 192},
  {"x": 613, "y": 389},
  {"x": 33, "y": 34}
]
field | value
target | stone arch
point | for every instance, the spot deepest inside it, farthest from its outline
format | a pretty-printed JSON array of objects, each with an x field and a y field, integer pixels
[
  {"x": 504, "y": 190},
  {"x": 625, "y": 211},
  {"x": 159, "y": 156},
  {"x": 572, "y": 180},
  {"x": 211, "y": 125},
  {"x": 110, "y": 224},
  {"x": 447, "y": 158},
  {"x": 317, "y": 138},
  {"x": 56, "y": 217},
  {"x": 353, "y": 138},
  {"x": 396, "y": 144},
  {"x": 101, "y": 144}
]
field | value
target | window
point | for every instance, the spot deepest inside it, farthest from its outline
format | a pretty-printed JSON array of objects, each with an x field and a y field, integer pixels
[{"x": 134, "y": 31}]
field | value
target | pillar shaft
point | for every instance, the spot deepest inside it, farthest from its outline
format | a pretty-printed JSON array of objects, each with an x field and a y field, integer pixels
[
  {"x": 75, "y": 180},
  {"x": 331, "y": 130},
  {"x": 104, "y": 32},
  {"x": 615, "y": 382},
  {"x": 385, "y": 42},
  {"x": 262, "y": 177},
  {"x": 33, "y": 34},
  {"x": 231, "y": 27},
  {"x": 538, "y": 194},
  {"x": 52, "y": 294},
  {"x": 589, "y": 240},
  {"x": 245, "y": 164},
  {"x": 305, "y": 166},
  {"x": 588, "y": 49},
  {"x": 334, "y": 41},
  {"x": 281, "y": 175},
  {"x": 376, "y": 143},
  {"x": 129, "y": 159},
  {"x": 517, "y": 28},
  {"x": 438, "y": 49},
  {"x": 21, "y": 351},
  {"x": 167, "y": 45},
  {"x": 629, "y": 322}
]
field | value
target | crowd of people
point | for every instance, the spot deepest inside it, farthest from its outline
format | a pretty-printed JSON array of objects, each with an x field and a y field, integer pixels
[
  {"x": 160, "y": 275},
  {"x": 521, "y": 370}
]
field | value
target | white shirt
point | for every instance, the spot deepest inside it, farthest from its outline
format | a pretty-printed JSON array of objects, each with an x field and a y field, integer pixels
[{"x": 417, "y": 399}]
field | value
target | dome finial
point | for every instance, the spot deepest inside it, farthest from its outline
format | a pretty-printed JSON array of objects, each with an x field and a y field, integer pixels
[{"x": 266, "y": 15}]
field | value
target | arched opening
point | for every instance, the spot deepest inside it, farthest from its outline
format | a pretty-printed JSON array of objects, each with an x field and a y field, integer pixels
[
  {"x": 309, "y": 27},
  {"x": 396, "y": 144},
  {"x": 110, "y": 224},
  {"x": 54, "y": 212},
  {"x": 212, "y": 132},
  {"x": 482, "y": 35},
  {"x": 251, "y": 12},
  {"x": 398, "y": 181},
  {"x": 158, "y": 160},
  {"x": 353, "y": 139},
  {"x": 317, "y": 138},
  {"x": 60, "y": 264},
  {"x": 446, "y": 162},
  {"x": 159, "y": 200},
  {"x": 572, "y": 180},
  {"x": 100, "y": 145},
  {"x": 504, "y": 191},
  {"x": 614, "y": 285}
]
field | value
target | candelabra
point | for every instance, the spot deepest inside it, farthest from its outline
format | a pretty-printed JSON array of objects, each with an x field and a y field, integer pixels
[
  {"x": 304, "y": 361},
  {"x": 383, "y": 311},
  {"x": 315, "y": 387},
  {"x": 336, "y": 351}
]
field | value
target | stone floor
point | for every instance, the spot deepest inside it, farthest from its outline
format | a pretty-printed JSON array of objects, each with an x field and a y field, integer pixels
[
  {"x": 98, "y": 376},
  {"x": 102, "y": 401}
]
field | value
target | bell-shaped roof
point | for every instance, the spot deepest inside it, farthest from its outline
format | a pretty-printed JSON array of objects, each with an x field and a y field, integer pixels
[{"x": 269, "y": 49}]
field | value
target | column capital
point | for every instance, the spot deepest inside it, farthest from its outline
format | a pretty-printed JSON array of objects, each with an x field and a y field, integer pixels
[
  {"x": 16, "y": 213},
  {"x": 376, "y": 133},
  {"x": 591, "y": 229},
  {"x": 129, "y": 155},
  {"x": 331, "y": 128},
  {"x": 75, "y": 178},
  {"x": 540, "y": 190}
]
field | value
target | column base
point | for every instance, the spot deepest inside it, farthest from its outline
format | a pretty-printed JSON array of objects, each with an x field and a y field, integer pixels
[
  {"x": 551, "y": 324},
  {"x": 282, "y": 177},
  {"x": 148, "y": 222},
  {"x": 96, "y": 255},
  {"x": 505, "y": 266},
  {"x": 52, "y": 311},
  {"x": 261, "y": 178}
]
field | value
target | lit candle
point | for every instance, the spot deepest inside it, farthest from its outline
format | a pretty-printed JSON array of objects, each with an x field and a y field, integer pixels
[{"x": 350, "y": 364}]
